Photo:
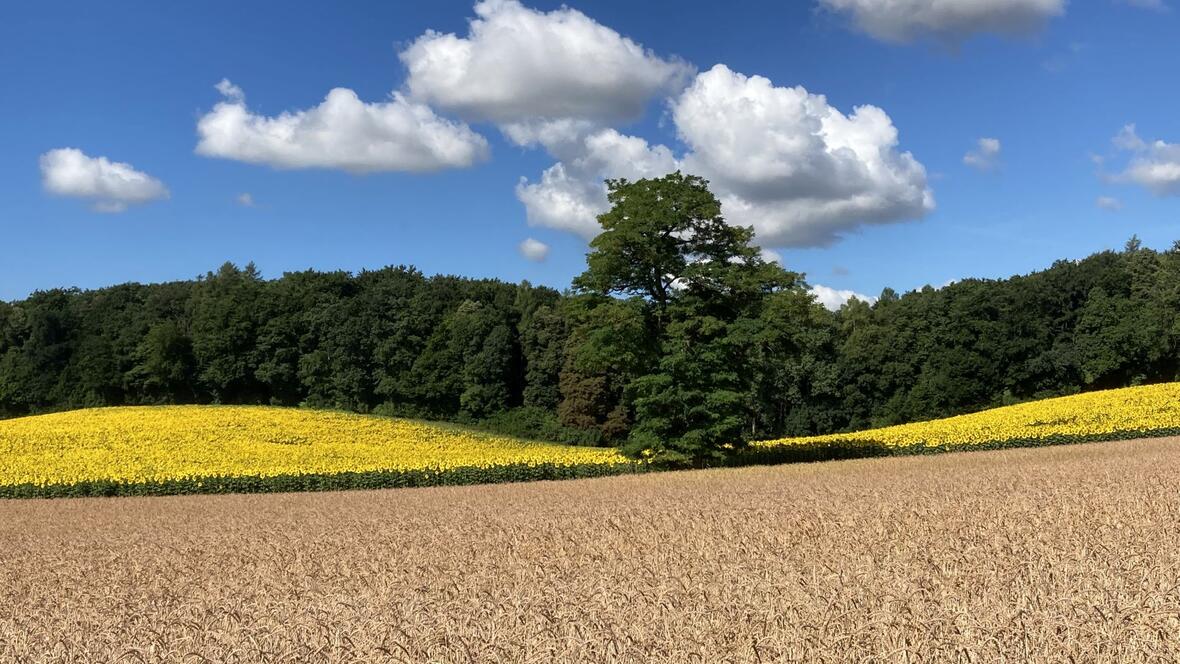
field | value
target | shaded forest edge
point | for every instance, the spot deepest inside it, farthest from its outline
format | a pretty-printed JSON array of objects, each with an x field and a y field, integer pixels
[{"x": 721, "y": 348}]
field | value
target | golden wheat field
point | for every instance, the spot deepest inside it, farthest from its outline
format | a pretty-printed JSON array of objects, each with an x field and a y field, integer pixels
[{"x": 1066, "y": 553}]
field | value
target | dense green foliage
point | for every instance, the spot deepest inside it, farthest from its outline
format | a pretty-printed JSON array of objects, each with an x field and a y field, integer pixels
[
  {"x": 697, "y": 288},
  {"x": 678, "y": 341}
]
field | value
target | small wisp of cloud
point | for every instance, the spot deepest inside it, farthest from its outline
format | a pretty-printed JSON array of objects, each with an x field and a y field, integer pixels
[
  {"x": 1062, "y": 60},
  {"x": 985, "y": 156},
  {"x": 1109, "y": 203},
  {"x": 1153, "y": 165},
  {"x": 833, "y": 299},
  {"x": 947, "y": 21},
  {"x": 1153, "y": 5},
  {"x": 534, "y": 250},
  {"x": 245, "y": 199},
  {"x": 230, "y": 91}
]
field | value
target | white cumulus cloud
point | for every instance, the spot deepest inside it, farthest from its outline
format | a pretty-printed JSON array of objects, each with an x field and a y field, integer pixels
[
  {"x": 553, "y": 134},
  {"x": 110, "y": 186},
  {"x": 1154, "y": 166},
  {"x": 950, "y": 21},
  {"x": 534, "y": 250},
  {"x": 985, "y": 156},
  {"x": 520, "y": 65},
  {"x": 572, "y": 193},
  {"x": 780, "y": 159},
  {"x": 798, "y": 170},
  {"x": 230, "y": 91},
  {"x": 342, "y": 132},
  {"x": 833, "y": 299}
]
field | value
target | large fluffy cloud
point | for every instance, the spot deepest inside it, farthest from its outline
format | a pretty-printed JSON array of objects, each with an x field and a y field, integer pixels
[
  {"x": 945, "y": 20},
  {"x": 341, "y": 132},
  {"x": 1154, "y": 165},
  {"x": 780, "y": 159},
  {"x": 786, "y": 162},
  {"x": 572, "y": 193},
  {"x": 110, "y": 185},
  {"x": 518, "y": 65}
]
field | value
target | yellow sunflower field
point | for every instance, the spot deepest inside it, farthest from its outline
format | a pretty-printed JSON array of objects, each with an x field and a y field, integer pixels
[
  {"x": 215, "y": 449},
  {"x": 182, "y": 449},
  {"x": 1132, "y": 412}
]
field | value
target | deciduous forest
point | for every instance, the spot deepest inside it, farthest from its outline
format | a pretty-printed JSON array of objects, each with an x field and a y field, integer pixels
[{"x": 678, "y": 341}]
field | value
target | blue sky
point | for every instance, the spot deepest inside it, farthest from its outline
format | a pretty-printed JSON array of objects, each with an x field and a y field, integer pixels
[{"x": 1054, "y": 83}]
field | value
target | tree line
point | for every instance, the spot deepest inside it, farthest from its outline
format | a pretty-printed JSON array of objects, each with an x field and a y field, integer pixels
[{"x": 678, "y": 342}]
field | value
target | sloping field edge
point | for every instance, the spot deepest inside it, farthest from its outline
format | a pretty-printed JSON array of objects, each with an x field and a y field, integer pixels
[
  {"x": 867, "y": 447},
  {"x": 394, "y": 479},
  {"x": 376, "y": 479}
]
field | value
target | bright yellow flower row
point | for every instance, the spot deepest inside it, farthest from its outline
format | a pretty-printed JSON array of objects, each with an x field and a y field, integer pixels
[
  {"x": 1108, "y": 414},
  {"x": 161, "y": 443},
  {"x": 165, "y": 443}
]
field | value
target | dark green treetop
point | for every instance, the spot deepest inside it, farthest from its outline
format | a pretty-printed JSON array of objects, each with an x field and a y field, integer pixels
[{"x": 704, "y": 284}]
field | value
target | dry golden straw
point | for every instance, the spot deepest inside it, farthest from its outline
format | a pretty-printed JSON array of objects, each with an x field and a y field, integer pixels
[{"x": 1052, "y": 554}]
